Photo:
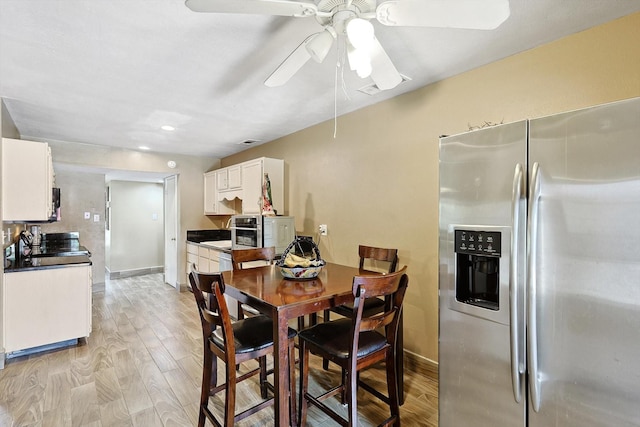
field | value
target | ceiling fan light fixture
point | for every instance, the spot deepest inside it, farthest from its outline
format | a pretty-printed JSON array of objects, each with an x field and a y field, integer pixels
[
  {"x": 319, "y": 46},
  {"x": 359, "y": 61},
  {"x": 360, "y": 33}
]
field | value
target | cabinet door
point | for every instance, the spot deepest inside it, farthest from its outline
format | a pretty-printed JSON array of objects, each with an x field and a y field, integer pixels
[
  {"x": 210, "y": 193},
  {"x": 46, "y": 306},
  {"x": 26, "y": 170},
  {"x": 191, "y": 259},
  {"x": 214, "y": 260},
  {"x": 235, "y": 177},
  {"x": 222, "y": 179},
  {"x": 252, "y": 187}
]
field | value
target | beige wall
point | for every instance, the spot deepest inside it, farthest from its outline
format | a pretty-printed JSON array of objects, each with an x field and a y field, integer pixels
[
  {"x": 7, "y": 125},
  {"x": 82, "y": 192},
  {"x": 136, "y": 226},
  {"x": 377, "y": 182}
]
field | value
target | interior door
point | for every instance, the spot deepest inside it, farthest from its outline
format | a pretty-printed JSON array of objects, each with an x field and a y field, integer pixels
[{"x": 171, "y": 231}]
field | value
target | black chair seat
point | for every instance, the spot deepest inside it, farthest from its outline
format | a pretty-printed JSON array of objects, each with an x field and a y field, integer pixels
[
  {"x": 250, "y": 334},
  {"x": 334, "y": 338},
  {"x": 371, "y": 306}
]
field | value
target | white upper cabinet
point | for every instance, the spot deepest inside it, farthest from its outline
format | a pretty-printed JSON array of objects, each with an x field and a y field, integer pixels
[
  {"x": 235, "y": 177},
  {"x": 210, "y": 193},
  {"x": 229, "y": 178},
  {"x": 238, "y": 189},
  {"x": 27, "y": 180},
  {"x": 252, "y": 190},
  {"x": 253, "y": 173},
  {"x": 222, "y": 179}
]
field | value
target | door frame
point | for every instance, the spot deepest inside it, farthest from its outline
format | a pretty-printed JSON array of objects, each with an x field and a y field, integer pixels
[{"x": 171, "y": 231}]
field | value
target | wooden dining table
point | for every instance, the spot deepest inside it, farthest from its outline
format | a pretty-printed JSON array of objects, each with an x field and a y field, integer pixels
[{"x": 268, "y": 291}]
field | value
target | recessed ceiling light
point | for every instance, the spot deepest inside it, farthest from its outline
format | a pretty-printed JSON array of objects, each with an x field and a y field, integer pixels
[
  {"x": 249, "y": 141},
  {"x": 142, "y": 147},
  {"x": 168, "y": 128}
]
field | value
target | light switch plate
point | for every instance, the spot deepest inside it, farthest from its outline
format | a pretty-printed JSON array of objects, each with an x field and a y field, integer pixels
[
  {"x": 87, "y": 215},
  {"x": 96, "y": 218}
]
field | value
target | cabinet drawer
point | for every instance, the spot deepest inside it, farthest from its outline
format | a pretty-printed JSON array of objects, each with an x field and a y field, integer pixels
[
  {"x": 203, "y": 252},
  {"x": 203, "y": 265},
  {"x": 192, "y": 249},
  {"x": 214, "y": 255},
  {"x": 191, "y": 259}
]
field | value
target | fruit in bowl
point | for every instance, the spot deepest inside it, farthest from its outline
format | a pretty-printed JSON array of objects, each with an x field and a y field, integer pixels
[{"x": 297, "y": 267}]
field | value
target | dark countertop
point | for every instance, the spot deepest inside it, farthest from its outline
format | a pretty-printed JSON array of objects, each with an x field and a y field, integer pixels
[
  {"x": 197, "y": 236},
  {"x": 48, "y": 262},
  {"x": 72, "y": 249}
]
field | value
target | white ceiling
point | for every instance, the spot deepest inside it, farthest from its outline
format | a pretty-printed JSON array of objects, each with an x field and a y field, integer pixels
[{"x": 111, "y": 72}]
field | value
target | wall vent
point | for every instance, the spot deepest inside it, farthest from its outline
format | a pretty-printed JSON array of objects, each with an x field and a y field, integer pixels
[{"x": 372, "y": 89}]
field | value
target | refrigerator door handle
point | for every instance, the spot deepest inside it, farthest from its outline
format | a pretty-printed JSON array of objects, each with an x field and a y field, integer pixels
[
  {"x": 532, "y": 332},
  {"x": 517, "y": 365}
]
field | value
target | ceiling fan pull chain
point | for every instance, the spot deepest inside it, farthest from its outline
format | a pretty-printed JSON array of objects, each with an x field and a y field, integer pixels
[
  {"x": 335, "y": 102},
  {"x": 342, "y": 57}
]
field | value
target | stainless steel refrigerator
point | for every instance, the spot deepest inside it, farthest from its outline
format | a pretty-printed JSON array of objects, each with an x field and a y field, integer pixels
[{"x": 540, "y": 272}]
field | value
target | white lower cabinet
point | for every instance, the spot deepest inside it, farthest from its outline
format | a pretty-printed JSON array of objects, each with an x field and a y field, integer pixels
[
  {"x": 209, "y": 260},
  {"x": 192, "y": 259},
  {"x": 46, "y": 306}
]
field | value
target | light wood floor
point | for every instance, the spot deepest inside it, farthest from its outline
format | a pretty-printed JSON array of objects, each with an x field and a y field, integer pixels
[{"x": 141, "y": 366}]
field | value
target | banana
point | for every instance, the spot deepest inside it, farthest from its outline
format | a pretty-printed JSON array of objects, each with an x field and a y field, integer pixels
[{"x": 292, "y": 260}]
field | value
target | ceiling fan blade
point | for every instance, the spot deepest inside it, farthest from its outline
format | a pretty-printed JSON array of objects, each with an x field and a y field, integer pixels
[
  {"x": 383, "y": 72},
  {"x": 291, "y": 64},
  {"x": 471, "y": 14},
  {"x": 255, "y": 7}
]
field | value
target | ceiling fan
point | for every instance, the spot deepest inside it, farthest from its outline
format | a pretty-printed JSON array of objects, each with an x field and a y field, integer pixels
[{"x": 351, "y": 19}]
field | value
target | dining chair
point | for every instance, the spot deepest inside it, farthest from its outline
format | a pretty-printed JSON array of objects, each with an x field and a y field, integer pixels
[
  {"x": 380, "y": 260},
  {"x": 241, "y": 256},
  {"x": 355, "y": 343},
  {"x": 370, "y": 259},
  {"x": 233, "y": 343}
]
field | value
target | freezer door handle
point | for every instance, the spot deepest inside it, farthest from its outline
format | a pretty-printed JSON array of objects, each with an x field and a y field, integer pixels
[
  {"x": 532, "y": 330},
  {"x": 517, "y": 365}
]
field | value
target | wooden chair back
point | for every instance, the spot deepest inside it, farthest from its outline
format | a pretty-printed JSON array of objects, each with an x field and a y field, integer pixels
[
  {"x": 363, "y": 347},
  {"x": 239, "y": 256},
  {"x": 392, "y": 286},
  {"x": 372, "y": 254},
  {"x": 208, "y": 290},
  {"x": 234, "y": 344}
]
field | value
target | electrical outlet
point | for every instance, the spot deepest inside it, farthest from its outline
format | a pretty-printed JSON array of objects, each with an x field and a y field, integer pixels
[{"x": 323, "y": 229}]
